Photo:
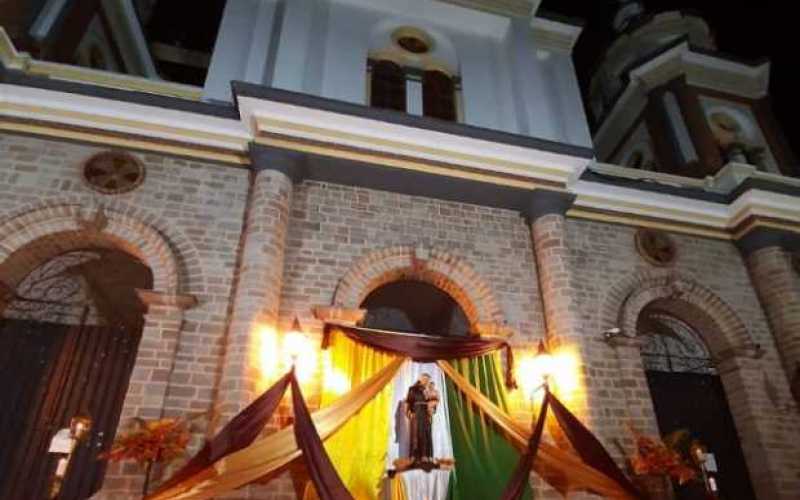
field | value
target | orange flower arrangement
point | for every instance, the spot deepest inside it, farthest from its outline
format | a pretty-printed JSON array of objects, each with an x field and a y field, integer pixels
[
  {"x": 149, "y": 441},
  {"x": 656, "y": 457}
]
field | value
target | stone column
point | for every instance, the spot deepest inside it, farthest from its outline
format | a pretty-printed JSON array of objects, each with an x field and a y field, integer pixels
[
  {"x": 548, "y": 230},
  {"x": 778, "y": 287},
  {"x": 557, "y": 285},
  {"x": 259, "y": 277}
]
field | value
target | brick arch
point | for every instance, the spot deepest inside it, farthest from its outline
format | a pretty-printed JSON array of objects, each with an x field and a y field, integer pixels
[
  {"x": 440, "y": 268},
  {"x": 35, "y": 234},
  {"x": 681, "y": 296}
]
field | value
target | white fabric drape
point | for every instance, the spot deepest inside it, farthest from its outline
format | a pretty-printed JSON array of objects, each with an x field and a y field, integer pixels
[{"x": 420, "y": 485}]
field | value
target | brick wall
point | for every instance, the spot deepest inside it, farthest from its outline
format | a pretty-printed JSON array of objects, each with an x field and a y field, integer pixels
[
  {"x": 185, "y": 221},
  {"x": 333, "y": 226},
  {"x": 195, "y": 208},
  {"x": 608, "y": 268}
]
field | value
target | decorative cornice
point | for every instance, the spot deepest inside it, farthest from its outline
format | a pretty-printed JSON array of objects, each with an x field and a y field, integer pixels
[
  {"x": 766, "y": 237},
  {"x": 12, "y": 59},
  {"x": 339, "y": 315},
  {"x": 551, "y": 34},
  {"x": 508, "y": 8},
  {"x": 548, "y": 202},
  {"x": 290, "y": 163},
  {"x": 494, "y": 330},
  {"x": 179, "y": 301}
]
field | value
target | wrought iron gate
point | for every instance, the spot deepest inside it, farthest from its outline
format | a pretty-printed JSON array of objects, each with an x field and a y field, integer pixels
[
  {"x": 68, "y": 342},
  {"x": 688, "y": 395}
]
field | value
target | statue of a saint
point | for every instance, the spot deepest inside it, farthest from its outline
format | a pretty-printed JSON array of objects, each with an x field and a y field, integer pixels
[{"x": 420, "y": 415}]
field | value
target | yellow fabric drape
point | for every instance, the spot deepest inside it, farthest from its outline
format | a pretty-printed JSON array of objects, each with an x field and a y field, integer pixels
[
  {"x": 358, "y": 450},
  {"x": 561, "y": 469},
  {"x": 268, "y": 454},
  {"x": 397, "y": 489}
]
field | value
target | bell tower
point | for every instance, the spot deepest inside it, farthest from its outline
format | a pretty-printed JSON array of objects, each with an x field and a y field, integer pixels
[{"x": 663, "y": 98}]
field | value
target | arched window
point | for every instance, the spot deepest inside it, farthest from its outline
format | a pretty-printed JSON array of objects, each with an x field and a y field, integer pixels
[
  {"x": 414, "y": 306},
  {"x": 388, "y": 87},
  {"x": 671, "y": 345},
  {"x": 438, "y": 96}
]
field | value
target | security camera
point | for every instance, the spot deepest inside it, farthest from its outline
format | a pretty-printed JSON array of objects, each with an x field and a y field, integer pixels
[{"x": 611, "y": 333}]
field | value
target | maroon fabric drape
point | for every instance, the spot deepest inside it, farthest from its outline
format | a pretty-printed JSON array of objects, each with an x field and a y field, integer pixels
[
  {"x": 521, "y": 477},
  {"x": 237, "y": 434},
  {"x": 588, "y": 447},
  {"x": 426, "y": 348},
  {"x": 326, "y": 480}
]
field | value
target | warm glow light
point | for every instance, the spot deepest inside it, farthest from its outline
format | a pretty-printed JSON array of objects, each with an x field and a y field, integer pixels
[
  {"x": 334, "y": 381},
  {"x": 560, "y": 369},
  {"x": 277, "y": 353},
  {"x": 266, "y": 347}
]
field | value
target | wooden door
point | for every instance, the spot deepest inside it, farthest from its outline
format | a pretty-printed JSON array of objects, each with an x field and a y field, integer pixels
[
  {"x": 61, "y": 371},
  {"x": 697, "y": 403}
]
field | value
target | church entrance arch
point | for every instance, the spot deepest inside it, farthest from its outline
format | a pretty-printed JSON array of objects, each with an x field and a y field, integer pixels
[
  {"x": 688, "y": 396},
  {"x": 69, "y": 334},
  {"x": 414, "y": 306}
]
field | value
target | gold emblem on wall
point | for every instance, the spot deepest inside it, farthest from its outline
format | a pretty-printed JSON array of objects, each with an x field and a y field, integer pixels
[{"x": 656, "y": 247}]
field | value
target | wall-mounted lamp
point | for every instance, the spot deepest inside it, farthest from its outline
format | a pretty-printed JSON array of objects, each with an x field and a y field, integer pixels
[
  {"x": 545, "y": 361},
  {"x": 295, "y": 341},
  {"x": 535, "y": 369},
  {"x": 299, "y": 350},
  {"x": 614, "y": 333}
]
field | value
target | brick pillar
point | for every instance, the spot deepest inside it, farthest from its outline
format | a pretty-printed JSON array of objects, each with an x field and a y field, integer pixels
[
  {"x": 557, "y": 285},
  {"x": 778, "y": 287},
  {"x": 259, "y": 276}
]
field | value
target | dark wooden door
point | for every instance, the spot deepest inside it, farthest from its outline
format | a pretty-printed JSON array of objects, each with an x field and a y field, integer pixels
[
  {"x": 697, "y": 403},
  {"x": 60, "y": 371}
]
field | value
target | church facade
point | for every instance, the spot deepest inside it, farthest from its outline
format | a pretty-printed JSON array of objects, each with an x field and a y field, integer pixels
[{"x": 339, "y": 147}]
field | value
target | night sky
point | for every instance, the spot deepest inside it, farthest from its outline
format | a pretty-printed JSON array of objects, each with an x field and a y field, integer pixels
[{"x": 746, "y": 29}]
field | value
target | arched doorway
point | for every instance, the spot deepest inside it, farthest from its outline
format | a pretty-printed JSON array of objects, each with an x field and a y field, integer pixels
[
  {"x": 414, "y": 306},
  {"x": 688, "y": 396},
  {"x": 68, "y": 338}
]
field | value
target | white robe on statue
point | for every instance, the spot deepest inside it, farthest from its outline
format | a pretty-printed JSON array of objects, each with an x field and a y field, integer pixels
[{"x": 420, "y": 485}]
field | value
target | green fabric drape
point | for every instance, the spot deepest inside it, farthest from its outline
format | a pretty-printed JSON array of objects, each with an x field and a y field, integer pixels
[{"x": 485, "y": 459}]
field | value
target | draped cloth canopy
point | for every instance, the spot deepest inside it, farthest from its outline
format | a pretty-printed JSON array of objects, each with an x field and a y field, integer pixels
[
  {"x": 592, "y": 470},
  {"x": 427, "y": 348}
]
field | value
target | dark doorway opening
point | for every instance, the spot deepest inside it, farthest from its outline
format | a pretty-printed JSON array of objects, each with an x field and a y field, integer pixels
[
  {"x": 68, "y": 341},
  {"x": 415, "y": 307},
  {"x": 688, "y": 396}
]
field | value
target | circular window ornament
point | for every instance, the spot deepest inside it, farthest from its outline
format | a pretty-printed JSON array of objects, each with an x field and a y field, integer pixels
[
  {"x": 113, "y": 172},
  {"x": 656, "y": 247},
  {"x": 413, "y": 40}
]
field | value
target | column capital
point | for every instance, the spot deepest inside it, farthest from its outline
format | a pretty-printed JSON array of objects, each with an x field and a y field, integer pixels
[
  {"x": 290, "y": 163},
  {"x": 544, "y": 202},
  {"x": 765, "y": 237},
  {"x": 178, "y": 301},
  {"x": 339, "y": 315}
]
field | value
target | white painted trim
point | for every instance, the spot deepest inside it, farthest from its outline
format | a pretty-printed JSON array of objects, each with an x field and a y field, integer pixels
[
  {"x": 46, "y": 19},
  {"x": 260, "y": 117},
  {"x": 122, "y": 117},
  {"x": 554, "y": 35},
  {"x": 381, "y": 137}
]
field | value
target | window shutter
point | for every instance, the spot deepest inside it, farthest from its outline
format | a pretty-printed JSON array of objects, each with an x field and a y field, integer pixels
[
  {"x": 388, "y": 88},
  {"x": 438, "y": 96}
]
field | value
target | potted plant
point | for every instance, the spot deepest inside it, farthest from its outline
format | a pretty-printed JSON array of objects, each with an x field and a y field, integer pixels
[
  {"x": 656, "y": 462},
  {"x": 151, "y": 442}
]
